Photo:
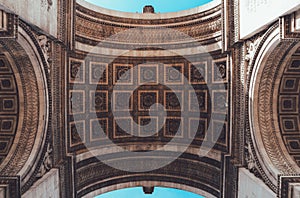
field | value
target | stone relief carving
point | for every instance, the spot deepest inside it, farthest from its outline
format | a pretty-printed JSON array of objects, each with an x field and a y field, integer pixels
[
  {"x": 250, "y": 159},
  {"x": 222, "y": 71},
  {"x": 47, "y": 3},
  {"x": 251, "y": 47},
  {"x": 45, "y": 44},
  {"x": 47, "y": 162}
]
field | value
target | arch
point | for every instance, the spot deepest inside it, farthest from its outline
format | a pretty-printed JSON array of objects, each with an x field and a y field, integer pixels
[
  {"x": 271, "y": 155},
  {"x": 148, "y": 180},
  {"x": 122, "y": 14},
  {"x": 28, "y": 67},
  {"x": 196, "y": 27},
  {"x": 201, "y": 175},
  {"x": 149, "y": 183}
]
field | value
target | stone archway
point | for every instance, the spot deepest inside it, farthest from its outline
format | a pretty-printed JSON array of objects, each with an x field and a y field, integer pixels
[
  {"x": 187, "y": 173},
  {"x": 268, "y": 150},
  {"x": 147, "y": 50},
  {"x": 31, "y": 107},
  {"x": 149, "y": 184}
]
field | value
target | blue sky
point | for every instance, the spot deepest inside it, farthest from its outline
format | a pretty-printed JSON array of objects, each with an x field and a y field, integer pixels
[
  {"x": 159, "y": 5},
  {"x": 159, "y": 192}
]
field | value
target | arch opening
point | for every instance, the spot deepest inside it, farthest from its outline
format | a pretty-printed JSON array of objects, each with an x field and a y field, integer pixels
[
  {"x": 159, "y": 6},
  {"x": 157, "y": 192}
]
